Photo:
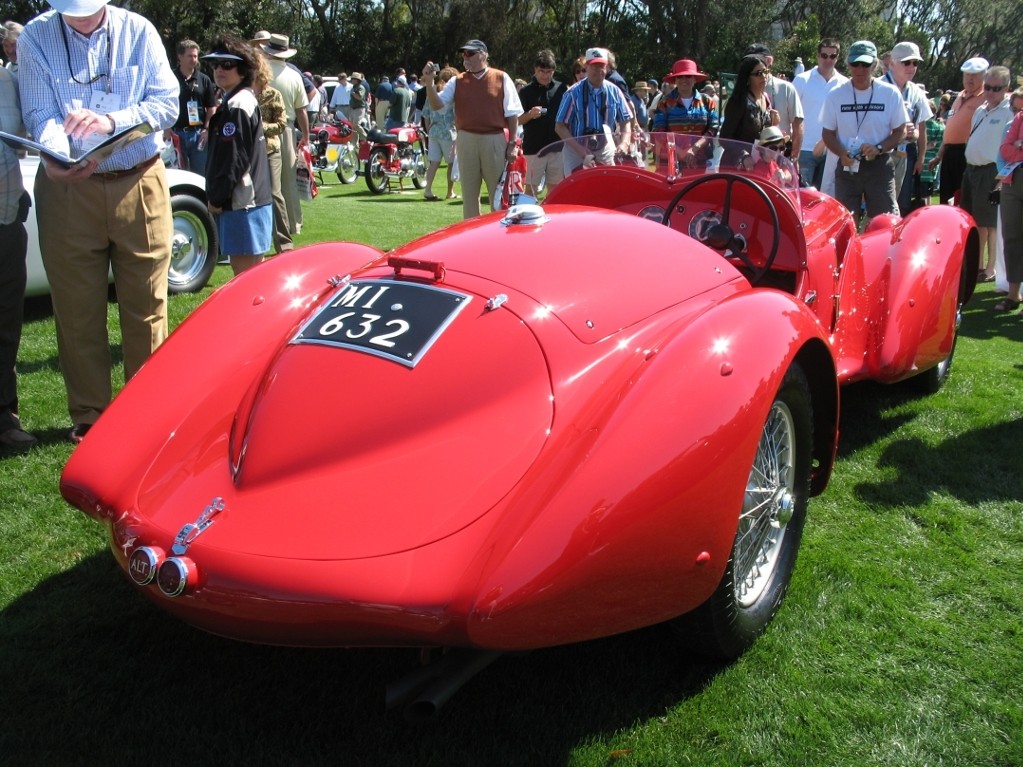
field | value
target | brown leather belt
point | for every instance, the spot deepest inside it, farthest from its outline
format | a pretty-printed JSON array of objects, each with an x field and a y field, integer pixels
[{"x": 111, "y": 175}]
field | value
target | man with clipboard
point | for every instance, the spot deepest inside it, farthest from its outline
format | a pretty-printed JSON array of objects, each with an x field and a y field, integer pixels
[{"x": 88, "y": 71}]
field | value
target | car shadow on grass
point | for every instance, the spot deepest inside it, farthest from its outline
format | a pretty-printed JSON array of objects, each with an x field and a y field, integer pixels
[{"x": 87, "y": 658}]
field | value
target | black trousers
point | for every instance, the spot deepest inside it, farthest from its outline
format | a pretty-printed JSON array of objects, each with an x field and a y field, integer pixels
[{"x": 13, "y": 243}]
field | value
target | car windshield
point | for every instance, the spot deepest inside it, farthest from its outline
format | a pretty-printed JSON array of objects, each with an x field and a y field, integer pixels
[{"x": 681, "y": 155}]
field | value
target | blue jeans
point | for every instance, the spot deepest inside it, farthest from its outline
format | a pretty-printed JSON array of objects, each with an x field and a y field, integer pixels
[
  {"x": 811, "y": 168},
  {"x": 195, "y": 158}
]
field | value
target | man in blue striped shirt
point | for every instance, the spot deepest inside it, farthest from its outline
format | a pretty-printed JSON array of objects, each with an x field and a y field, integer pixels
[
  {"x": 89, "y": 70},
  {"x": 594, "y": 109}
]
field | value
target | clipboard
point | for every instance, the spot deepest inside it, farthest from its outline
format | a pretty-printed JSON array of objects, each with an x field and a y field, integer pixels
[{"x": 99, "y": 153}]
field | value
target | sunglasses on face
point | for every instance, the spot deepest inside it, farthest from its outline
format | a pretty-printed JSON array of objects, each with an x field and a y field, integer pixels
[
  {"x": 831, "y": 56},
  {"x": 468, "y": 54},
  {"x": 994, "y": 88},
  {"x": 228, "y": 65},
  {"x": 859, "y": 64},
  {"x": 760, "y": 73},
  {"x": 911, "y": 63}
]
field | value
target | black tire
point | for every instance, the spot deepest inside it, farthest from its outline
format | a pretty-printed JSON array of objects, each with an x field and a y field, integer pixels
[
  {"x": 931, "y": 380},
  {"x": 770, "y": 529},
  {"x": 194, "y": 248},
  {"x": 419, "y": 174},
  {"x": 348, "y": 164},
  {"x": 376, "y": 179}
]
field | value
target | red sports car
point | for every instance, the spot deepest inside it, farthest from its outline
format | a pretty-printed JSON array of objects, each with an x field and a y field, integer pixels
[{"x": 541, "y": 426}]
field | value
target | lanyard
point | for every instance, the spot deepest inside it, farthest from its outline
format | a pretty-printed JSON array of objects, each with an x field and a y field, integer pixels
[
  {"x": 110, "y": 56},
  {"x": 861, "y": 117}
]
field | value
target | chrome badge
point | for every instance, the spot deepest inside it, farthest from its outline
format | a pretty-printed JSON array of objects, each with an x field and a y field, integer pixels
[{"x": 193, "y": 530}]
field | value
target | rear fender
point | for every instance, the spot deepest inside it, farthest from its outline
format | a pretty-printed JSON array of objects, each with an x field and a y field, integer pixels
[
  {"x": 632, "y": 521},
  {"x": 235, "y": 333}
]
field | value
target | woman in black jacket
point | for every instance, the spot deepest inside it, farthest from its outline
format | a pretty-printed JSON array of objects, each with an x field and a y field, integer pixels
[
  {"x": 237, "y": 171},
  {"x": 749, "y": 110}
]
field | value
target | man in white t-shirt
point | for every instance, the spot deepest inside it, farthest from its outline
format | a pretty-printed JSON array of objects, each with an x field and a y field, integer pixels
[
  {"x": 862, "y": 122},
  {"x": 813, "y": 86}
]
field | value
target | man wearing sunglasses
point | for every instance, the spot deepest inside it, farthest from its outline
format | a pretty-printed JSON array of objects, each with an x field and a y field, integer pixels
[
  {"x": 863, "y": 121},
  {"x": 952, "y": 153},
  {"x": 982, "y": 153},
  {"x": 487, "y": 110},
  {"x": 813, "y": 87},
  {"x": 909, "y": 156},
  {"x": 89, "y": 70}
]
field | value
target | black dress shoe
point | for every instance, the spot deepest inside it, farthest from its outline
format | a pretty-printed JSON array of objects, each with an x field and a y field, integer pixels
[
  {"x": 78, "y": 432},
  {"x": 17, "y": 439}
]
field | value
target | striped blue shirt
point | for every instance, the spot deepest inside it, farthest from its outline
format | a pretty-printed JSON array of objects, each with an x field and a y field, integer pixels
[
  {"x": 125, "y": 56},
  {"x": 10, "y": 168},
  {"x": 587, "y": 109}
]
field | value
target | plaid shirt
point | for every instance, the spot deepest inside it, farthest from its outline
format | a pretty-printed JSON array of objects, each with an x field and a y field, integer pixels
[
  {"x": 127, "y": 58},
  {"x": 10, "y": 168}
]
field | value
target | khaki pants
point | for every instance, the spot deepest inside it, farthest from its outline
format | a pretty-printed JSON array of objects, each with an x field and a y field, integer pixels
[
  {"x": 85, "y": 229},
  {"x": 289, "y": 183},
  {"x": 481, "y": 158}
]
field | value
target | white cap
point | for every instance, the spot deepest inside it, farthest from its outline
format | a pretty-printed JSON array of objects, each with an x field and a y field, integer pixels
[{"x": 975, "y": 66}]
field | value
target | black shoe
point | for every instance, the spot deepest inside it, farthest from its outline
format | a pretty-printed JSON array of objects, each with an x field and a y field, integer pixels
[
  {"x": 78, "y": 432},
  {"x": 17, "y": 439}
]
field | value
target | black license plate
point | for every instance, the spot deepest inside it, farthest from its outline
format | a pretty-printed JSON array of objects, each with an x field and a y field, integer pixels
[{"x": 399, "y": 321}]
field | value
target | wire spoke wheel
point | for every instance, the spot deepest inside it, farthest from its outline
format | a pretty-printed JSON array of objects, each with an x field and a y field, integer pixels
[{"x": 767, "y": 508}]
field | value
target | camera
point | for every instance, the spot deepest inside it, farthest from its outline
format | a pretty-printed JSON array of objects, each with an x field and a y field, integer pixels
[
  {"x": 543, "y": 110},
  {"x": 594, "y": 139}
]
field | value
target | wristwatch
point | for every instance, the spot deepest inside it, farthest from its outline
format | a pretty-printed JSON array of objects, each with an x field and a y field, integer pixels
[{"x": 879, "y": 148}]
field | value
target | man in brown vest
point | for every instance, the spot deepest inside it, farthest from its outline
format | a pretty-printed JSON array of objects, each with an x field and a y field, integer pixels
[{"x": 487, "y": 110}]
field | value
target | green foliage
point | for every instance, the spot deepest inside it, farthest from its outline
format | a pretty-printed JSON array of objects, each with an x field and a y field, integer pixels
[
  {"x": 376, "y": 36},
  {"x": 898, "y": 644}
]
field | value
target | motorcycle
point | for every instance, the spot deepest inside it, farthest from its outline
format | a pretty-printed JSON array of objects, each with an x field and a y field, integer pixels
[
  {"x": 399, "y": 153},
  {"x": 335, "y": 149}
]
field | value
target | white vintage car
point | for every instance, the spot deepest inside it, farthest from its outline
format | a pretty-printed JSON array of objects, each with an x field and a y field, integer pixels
[{"x": 195, "y": 233}]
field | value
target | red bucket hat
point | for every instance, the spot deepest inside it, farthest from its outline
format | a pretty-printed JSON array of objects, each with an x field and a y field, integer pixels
[{"x": 685, "y": 67}]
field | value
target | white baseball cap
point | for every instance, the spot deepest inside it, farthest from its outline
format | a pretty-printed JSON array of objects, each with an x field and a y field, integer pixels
[{"x": 77, "y": 7}]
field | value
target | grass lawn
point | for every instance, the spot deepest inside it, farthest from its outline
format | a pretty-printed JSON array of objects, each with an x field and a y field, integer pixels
[{"x": 900, "y": 642}]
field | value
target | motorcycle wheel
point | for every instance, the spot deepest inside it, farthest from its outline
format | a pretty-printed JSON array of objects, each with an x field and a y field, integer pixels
[
  {"x": 419, "y": 171},
  {"x": 376, "y": 179},
  {"x": 348, "y": 164}
]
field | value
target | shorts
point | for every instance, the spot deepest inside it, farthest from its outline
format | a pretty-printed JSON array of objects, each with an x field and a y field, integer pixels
[
  {"x": 441, "y": 147},
  {"x": 978, "y": 181},
  {"x": 549, "y": 166}
]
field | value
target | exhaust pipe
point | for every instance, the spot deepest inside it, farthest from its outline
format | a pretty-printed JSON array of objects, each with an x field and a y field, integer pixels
[{"x": 426, "y": 689}]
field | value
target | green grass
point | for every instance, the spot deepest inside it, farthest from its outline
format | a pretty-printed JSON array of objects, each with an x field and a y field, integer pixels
[{"x": 899, "y": 644}]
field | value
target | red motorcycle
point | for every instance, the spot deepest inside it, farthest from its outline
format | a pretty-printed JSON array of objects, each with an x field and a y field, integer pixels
[
  {"x": 399, "y": 153},
  {"x": 335, "y": 149}
]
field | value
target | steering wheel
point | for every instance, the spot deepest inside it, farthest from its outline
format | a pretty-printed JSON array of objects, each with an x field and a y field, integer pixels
[{"x": 721, "y": 236}]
